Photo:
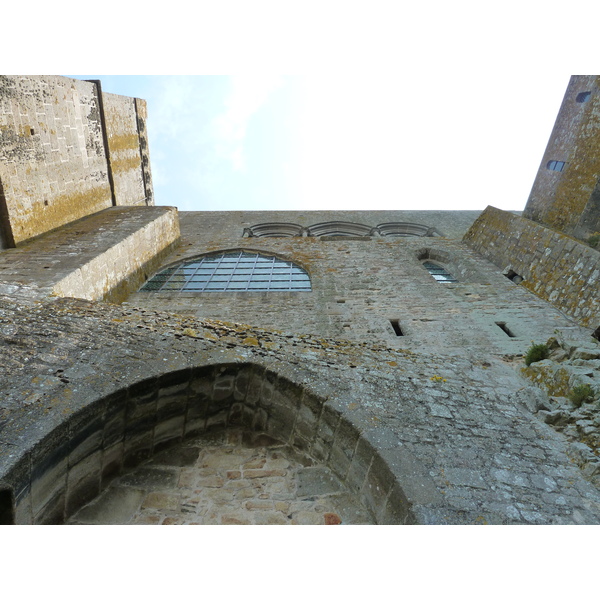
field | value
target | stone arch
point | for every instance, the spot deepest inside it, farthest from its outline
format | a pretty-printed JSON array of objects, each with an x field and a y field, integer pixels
[
  {"x": 339, "y": 229},
  {"x": 80, "y": 457},
  {"x": 397, "y": 229},
  {"x": 440, "y": 258},
  {"x": 274, "y": 230}
]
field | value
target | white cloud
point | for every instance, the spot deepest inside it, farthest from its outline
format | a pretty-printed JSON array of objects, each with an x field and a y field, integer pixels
[{"x": 247, "y": 94}]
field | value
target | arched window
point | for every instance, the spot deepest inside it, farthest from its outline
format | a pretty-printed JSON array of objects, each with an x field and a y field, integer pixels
[
  {"x": 237, "y": 271},
  {"x": 439, "y": 273}
]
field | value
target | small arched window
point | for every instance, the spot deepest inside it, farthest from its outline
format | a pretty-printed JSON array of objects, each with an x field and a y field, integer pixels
[
  {"x": 439, "y": 273},
  {"x": 231, "y": 272},
  {"x": 556, "y": 165}
]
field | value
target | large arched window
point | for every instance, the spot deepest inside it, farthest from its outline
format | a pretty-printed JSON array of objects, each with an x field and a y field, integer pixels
[{"x": 237, "y": 271}]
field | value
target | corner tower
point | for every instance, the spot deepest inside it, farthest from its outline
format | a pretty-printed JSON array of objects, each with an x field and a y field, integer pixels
[{"x": 566, "y": 191}]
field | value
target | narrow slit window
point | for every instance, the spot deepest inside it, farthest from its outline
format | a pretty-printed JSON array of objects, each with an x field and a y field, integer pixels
[
  {"x": 596, "y": 334},
  {"x": 504, "y": 328},
  {"x": 439, "y": 273},
  {"x": 396, "y": 327}
]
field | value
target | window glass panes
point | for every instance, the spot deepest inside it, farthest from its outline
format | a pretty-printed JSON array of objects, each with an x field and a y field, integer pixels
[
  {"x": 232, "y": 271},
  {"x": 556, "y": 165},
  {"x": 583, "y": 97},
  {"x": 439, "y": 273}
]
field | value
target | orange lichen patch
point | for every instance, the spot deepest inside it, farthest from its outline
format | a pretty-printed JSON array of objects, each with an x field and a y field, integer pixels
[
  {"x": 575, "y": 185},
  {"x": 554, "y": 381},
  {"x": 332, "y": 519},
  {"x": 122, "y": 165},
  {"x": 60, "y": 209},
  {"x": 251, "y": 341},
  {"x": 123, "y": 142}
]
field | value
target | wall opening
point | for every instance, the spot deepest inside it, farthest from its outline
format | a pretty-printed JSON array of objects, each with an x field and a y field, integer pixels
[
  {"x": 556, "y": 165},
  {"x": 513, "y": 276},
  {"x": 396, "y": 327},
  {"x": 7, "y": 514},
  {"x": 596, "y": 334},
  {"x": 583, "y": 97},
  {"x": 504, "y": 328}
]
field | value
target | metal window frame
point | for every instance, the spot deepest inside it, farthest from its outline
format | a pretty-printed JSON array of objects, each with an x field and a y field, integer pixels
[
  {"x": 439, "y": 273},
  {"x": 237, "y": 271}
]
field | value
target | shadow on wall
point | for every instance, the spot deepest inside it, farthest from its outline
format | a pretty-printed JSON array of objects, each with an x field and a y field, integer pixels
[
  {"x": 6, "y": 238},
  {"x": 73, "y": 464}
]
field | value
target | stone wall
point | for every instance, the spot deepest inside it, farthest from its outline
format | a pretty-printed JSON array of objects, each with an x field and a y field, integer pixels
[
  {"x": 53, "y": 164},
  {"x": 121, "y": 121},
  {"x": 141, "y": 109},
  {"x": 56, "y": 136},
  {"x": 91, "y": 389},
  {"x": 81, "y": 458},
  {"x": 554, "y": 266},
  {"x": 360, "y": 285}
]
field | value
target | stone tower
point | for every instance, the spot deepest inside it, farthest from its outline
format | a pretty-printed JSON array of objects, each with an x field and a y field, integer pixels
[{"x": 566, "y": 191}]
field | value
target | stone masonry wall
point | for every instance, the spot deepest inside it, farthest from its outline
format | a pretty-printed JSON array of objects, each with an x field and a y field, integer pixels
[
  {"x": 554, "y": 266},
  {"x": 141, "y": 109},
  {"x": 360, "y": 285},
  {"x": 124, "y": 149},
  {"x": 91, "y": 389},
  {"x": 54, "y": 164}
]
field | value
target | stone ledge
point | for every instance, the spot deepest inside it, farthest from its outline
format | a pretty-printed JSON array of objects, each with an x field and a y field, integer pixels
[
  {"x": 553, "y": 265},
  {"x": 104, "y": 256}
]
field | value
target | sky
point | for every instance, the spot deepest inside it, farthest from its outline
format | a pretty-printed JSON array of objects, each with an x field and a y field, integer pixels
[
  {"x": 323, "y": 105},
  {"x": 444, "y": 140}
]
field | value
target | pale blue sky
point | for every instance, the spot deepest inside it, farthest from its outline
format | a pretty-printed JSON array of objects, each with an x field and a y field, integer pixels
[{"x": 426, "y": 141}]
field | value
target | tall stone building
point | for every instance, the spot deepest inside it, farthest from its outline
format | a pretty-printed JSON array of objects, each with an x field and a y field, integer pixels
[
  {"x": 286, "y": 367},
  {"x": 566, "y": 193}
]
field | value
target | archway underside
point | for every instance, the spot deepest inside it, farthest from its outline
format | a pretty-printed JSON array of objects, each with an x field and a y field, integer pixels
[
  {"x": 227, "y": 477},
  {"x": 225, "y": 443}
]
